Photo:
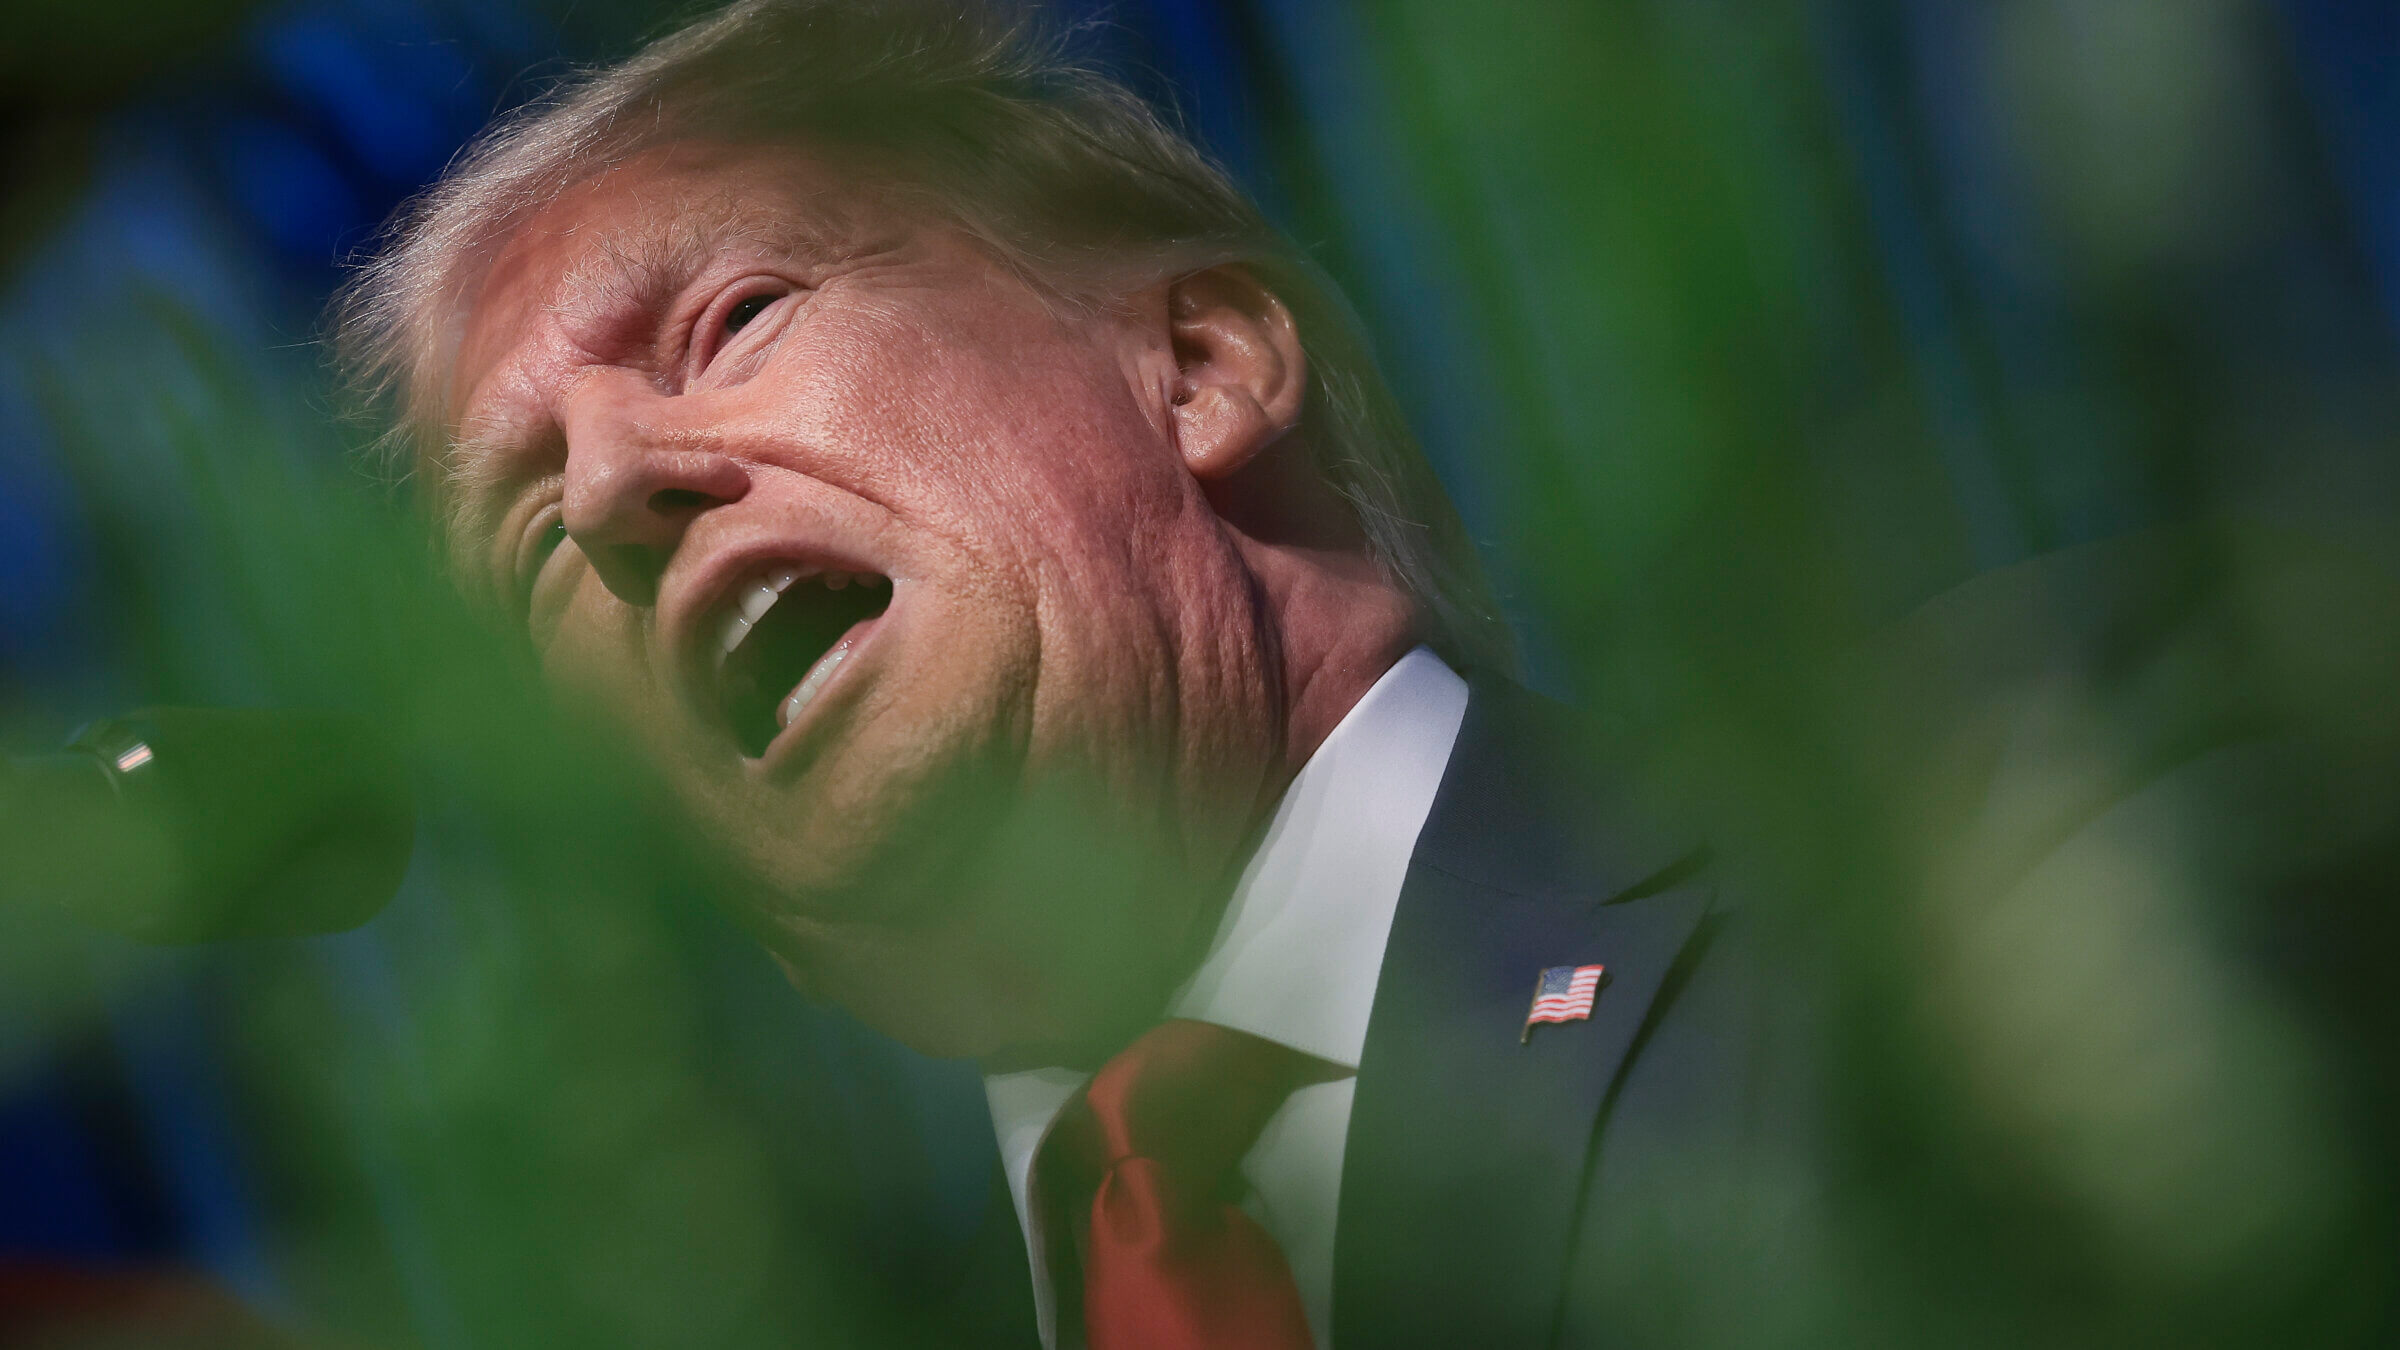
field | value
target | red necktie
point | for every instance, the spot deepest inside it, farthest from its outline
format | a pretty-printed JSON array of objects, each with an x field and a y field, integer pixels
[{"x": 1168, "y": 1261}]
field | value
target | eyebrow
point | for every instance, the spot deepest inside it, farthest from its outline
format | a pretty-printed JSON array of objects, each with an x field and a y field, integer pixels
[{"x": 619, "y": 280}]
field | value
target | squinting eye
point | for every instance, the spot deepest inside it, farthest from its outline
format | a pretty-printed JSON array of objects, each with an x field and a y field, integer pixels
[{"x": 744, "y": 311}]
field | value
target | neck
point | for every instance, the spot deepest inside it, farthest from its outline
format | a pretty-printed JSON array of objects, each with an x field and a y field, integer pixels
[
  {"x": 1341, "y": 625},
  {"x": 1328, "y": 625}
]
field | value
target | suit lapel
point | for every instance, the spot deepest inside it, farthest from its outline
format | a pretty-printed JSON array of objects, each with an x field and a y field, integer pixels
[{"x": 1467, "y": 1151}]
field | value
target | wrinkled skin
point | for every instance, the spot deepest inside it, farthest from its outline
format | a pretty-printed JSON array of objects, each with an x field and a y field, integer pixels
[{"x": 1007, "y": 823}]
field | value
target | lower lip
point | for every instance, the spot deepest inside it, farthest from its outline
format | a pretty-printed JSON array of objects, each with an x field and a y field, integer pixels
[{"x": 811, "y": 689}]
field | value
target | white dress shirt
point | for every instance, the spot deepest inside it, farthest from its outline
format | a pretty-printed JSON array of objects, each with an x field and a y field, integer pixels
[{"x": 1295, "y": 960}]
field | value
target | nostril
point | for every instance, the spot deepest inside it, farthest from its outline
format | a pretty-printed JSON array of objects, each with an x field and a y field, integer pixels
[{"x": 667, "y": 501}]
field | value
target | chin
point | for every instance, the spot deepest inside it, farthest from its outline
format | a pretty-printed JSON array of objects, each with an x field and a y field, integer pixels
[
  {"x": 1040, "y": 952},
  {"x": 875, "y": 834},
  {"x": 904, "y": 987},
  {"x": 967, "y": 907}
]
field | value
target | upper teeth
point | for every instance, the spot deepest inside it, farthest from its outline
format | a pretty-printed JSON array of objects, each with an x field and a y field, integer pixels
[
  {"x": 750, "y": 604},
  {"x": 752, "y": 601}
]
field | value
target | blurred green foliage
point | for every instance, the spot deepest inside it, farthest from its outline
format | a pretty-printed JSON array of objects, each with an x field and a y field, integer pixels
[
  {"x": 2080, "y": 874},
  {"x": 2078, "y": 860}
]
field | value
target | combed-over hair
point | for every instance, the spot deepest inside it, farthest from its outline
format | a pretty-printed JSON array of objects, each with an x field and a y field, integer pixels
[{"x": 977, "y": 112}]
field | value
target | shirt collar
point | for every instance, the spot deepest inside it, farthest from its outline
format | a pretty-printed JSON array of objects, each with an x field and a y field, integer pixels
[{"x": 1300, "y": 946}]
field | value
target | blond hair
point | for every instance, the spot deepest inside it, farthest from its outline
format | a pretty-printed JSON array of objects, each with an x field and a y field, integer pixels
[{"x": 978, "y": 112}]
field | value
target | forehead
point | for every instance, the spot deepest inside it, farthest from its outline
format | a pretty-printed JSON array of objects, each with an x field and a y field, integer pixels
[{"x": 627, "y": 239}]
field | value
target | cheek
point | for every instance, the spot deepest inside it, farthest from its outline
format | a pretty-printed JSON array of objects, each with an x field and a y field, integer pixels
[
  {"x": 996, "y": 429},
  {"x": 596, "y": 661},
  {"x": 1065, "y": 482}
]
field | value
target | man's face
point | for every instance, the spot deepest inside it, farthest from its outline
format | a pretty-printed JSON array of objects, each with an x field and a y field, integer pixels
[{"x": 998, "y": 708}]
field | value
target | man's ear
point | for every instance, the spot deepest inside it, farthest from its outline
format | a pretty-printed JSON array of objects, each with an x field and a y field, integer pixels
[{"x": 1240, "y": 376}]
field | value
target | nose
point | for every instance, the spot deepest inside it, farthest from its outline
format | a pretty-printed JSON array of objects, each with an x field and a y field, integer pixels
[{"x": 635, "y": 483}]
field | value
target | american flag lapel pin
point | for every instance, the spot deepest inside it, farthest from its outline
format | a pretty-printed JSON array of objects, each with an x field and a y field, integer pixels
[{"x": 1562, "y": 994}]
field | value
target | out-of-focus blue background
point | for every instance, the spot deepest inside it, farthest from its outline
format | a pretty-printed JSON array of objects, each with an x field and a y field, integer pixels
[{"x": 1942, "y": 284}]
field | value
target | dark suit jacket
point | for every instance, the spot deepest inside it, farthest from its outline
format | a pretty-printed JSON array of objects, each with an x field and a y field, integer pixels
[
  {"x": 1470, "y": 1168},
  {"x": 1476, "y": 1163}
]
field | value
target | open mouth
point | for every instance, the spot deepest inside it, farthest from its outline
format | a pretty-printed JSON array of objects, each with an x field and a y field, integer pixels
[{"x": 784, "y": 637}]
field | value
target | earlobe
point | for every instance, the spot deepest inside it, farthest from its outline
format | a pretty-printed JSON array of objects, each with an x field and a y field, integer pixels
[{"x": 1241, "y": 376}]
